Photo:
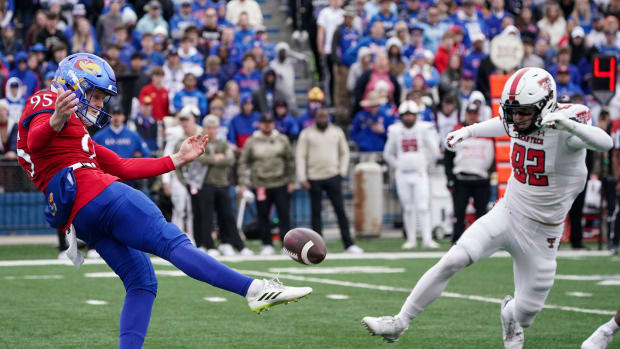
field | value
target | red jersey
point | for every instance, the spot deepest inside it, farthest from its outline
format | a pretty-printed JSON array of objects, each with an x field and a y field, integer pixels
[
  {"x": 42, "y": 152},
  {"x": 160, "y": 100}
]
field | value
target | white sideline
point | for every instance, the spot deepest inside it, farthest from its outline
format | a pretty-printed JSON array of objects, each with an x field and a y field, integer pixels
[
  {"x": 407, "y": 290},
  {"x": 330, "y": 256}
]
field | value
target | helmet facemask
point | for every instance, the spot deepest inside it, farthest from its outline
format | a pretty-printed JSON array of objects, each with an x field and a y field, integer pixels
[{"x": 512, "y": 107}]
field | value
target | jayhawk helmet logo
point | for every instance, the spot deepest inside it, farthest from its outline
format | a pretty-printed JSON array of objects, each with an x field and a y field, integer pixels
[
  {"x": 88, "y": 66},
  {"x": 52, "y": 204}
]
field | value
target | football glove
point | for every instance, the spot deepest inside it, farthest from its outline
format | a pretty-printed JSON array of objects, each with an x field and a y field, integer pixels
[
  {"x": 455, "y": 137},
  {"x": 559, "y": 120}
]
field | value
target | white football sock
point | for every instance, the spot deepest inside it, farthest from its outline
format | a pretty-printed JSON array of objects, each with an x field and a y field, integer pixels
[
  {"x": 510, "y": 308},
  {"x": 612, "y": 326},
  {"x": 425, "y": 225},
  {"x": 409, "y": 220},
  {"x": 255, "y": 287},
  {"x": 433, "y": 282}
]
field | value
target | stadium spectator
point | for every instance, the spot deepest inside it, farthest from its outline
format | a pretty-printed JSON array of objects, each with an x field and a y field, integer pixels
[
  {"x": 449, "y": 80},
  {"x": 544, "y": 51},
  {"x": 530, "y": 58},
  {"x": 146, "y": 125},
  {"x": 248, "y": 77},
  {"x": 152, "y": 19},
  {"x": 190, "y": 95},
  {"x": 397, "y": 62},
  {"x": 219, "y": 158},
  {"x": 401, "y": 32},
  {"x": 284, "y": 67},
  {"x": 133, "y": 81},
  {"x": 471, "y": 19},
  {"x": 526, "y": 23},
  {"x": 153, "y": 58},
  {"x": 265, "y": 96},
  {"x": 433, "y": 29},
  {"x": 582, "y": 15},
  {"x": 192, "y": 176},
  {"x": 120, "y": 139},
  {"x": 476, "y": 54},
  {"x": 362, "y": 64},
  {"x": 49, "y": 35},
  {"x": 82, "y": 39},
  {"x": 423, "y": 65},
  {"x": 15, "y": 98},
  {"x": 210, "y": 31},
  {"x": 322, "y": 160},
  {"x": 108, "y": 22},
  {"x": 345, "y": 36},
  {"x": 493, "y": 23},
  {"x": 468, "y": 169},
  {"x": 610, "y": 45},
  {"x": 386, "y": 16},
  {"x": 328, "y": 20},
  {"x": 10, "y": 45},
  {"x": 158, "y": 94},
  {"x": 442, "y": 57},
  {"x": 244, "y": 34},
  {"x": 285, "y": 123},
  {"x": 466, "y": 87},
  {"x": 258, "y": 50},
  {"x": 315, "y": 98},
  {"x": 232, "y": 101},
  {"x": 380, "y": 71},
  {"x": 213, "y": 80},
  {"x": 564, "y": 84},
  {"x": 112, "y": 56},
  {"x": 40, "y": 18},
  {"x": 8, "y": 133},
  {"x": 47, "y": 81},
  {"x": 173, "y": 72},
  {"x": 369, "y": 129},
  {"x": 222, "y": 10},
  {"x": 235, "y": 8},
  {"x": 268, "y": 158},
  {"x": 243, "y": 125},
  {"x": 191, "y": 60},
  {"x": 182, "y": 20},
  {"x": 120, "y": 39},
  {"x": 375, "y": 42},
  {"x": 553, "y": 23},
  {"x": 27, "y": 77},
  {"x": 447, "y": 115}
]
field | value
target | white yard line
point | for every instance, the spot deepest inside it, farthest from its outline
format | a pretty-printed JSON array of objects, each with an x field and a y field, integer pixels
[
  {"x": 330, "y": 256},
  {"x": 407, "y": 290}
]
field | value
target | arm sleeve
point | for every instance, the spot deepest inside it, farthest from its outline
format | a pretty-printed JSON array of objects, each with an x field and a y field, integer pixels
[
  {"x": 244, "y": 161},
  {"x": 300, "y": 156},
  {"x": 344, "y": 155},
  {"x": 489, "y": 128},
  {"x": 389, "y": 151},
  {"x": 589, "y": 137},
  {"x": 130, "y": 169},
  {"x": 40, "y": 133}
]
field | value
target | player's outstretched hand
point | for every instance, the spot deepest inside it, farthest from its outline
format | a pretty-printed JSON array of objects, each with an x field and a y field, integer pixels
[
  {"x": 455, "y": 137},
  {"x": 559, "y": 120},
  {"x": 190, "y": 150},
  {"x": 66, "y": 105}
]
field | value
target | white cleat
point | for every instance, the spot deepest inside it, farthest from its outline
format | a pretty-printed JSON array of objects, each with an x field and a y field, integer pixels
[
  {"x": 511, "y": 330},
  {"x": 387, "y": 326},
  {"x": 226, "y": 250},
  {"x": 246, "y": 252},
  {"x": 274, "y": 293},
  {"x": 354, "y": 249},
  {"x": 409, "y": 245},
  {"x": 213, "y": 253},
  {"x": 267, "y": 250},
  {"x": 430, "y": 244},
  {"x": 600, "y": 339}
]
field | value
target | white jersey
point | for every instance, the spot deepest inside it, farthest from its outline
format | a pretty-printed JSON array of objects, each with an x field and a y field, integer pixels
[
  {"x": 411, "y": 149},
  {"x": 474, "y": 156},
  {"x": 547, "y": 175}
]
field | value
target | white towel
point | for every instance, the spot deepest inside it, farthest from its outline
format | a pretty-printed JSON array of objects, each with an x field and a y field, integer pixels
[{"x": 72, "y": 252}]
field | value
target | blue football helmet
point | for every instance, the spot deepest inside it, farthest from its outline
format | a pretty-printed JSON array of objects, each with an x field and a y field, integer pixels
[{"x": 82, "y": 73}]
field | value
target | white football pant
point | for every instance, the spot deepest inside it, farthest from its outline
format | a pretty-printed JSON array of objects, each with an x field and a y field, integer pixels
[{"x": 413, "y": 192}]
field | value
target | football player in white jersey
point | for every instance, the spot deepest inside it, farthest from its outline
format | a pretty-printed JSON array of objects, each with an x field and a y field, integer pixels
[
  {"x": 411, "y": 147},
  {"x": 548, "y": 146}
]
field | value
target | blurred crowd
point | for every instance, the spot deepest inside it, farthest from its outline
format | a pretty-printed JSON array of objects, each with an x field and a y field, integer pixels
[{"x": 177, "y": 60}]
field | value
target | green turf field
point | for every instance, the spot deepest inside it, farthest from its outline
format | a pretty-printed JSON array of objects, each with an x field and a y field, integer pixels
[{"x": 46, "y": 306}]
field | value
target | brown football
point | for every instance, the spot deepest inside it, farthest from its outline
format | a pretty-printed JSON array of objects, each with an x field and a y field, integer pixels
[{"x": 304, "y": 246}]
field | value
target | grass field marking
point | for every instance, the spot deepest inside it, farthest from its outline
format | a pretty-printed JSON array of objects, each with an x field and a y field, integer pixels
[
  {"x": 337, "y": 296},
  {"x": 34, "y": 277},
  {"x": 96, "y": 302},
  {"x": 593, "y": 277},
  {"x": 407, "y": 290},
  {"x": 330, "y": 256},
  {"x": 339, "y": 270},
  {"x": 579, "y": 294},
  {"x": 609, "y": 283},
  {"x": 215, "y": 299}
]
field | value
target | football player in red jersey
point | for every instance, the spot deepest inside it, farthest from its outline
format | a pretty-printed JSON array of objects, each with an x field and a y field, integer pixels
[{"x": 80, "y": 179}]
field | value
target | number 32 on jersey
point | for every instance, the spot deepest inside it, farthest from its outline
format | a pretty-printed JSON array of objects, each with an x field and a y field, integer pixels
[{"x": 532, "y": 173}]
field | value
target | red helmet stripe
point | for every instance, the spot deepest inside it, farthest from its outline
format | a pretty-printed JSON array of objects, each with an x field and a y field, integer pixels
[{"x": 515, "y": 82}]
